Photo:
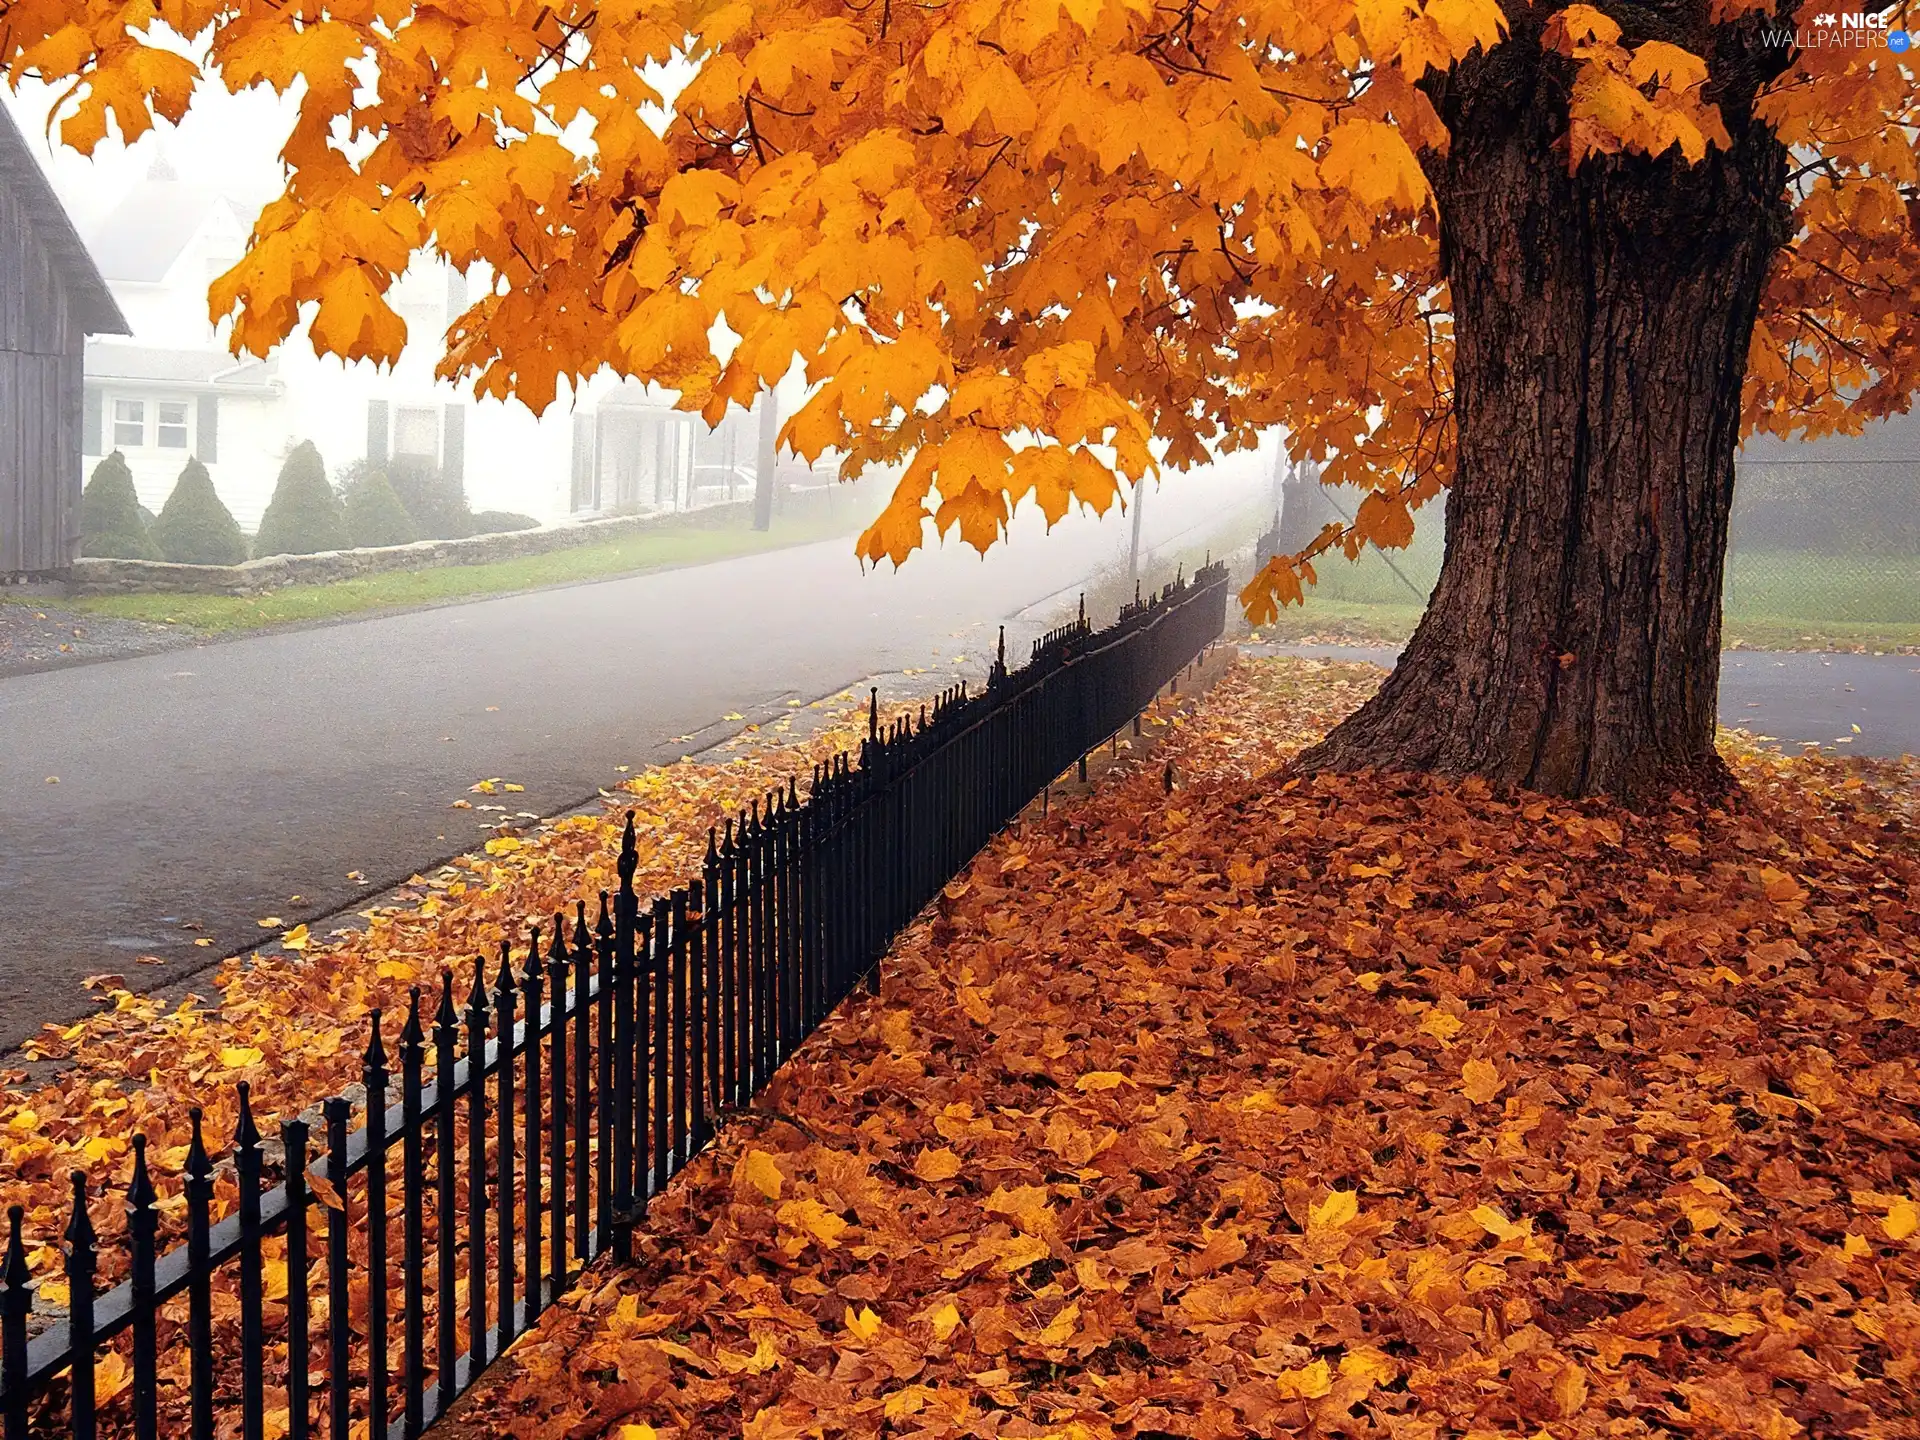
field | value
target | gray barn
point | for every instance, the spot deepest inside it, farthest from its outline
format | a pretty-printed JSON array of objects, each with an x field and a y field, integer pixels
[{"x": 51, "y": 299}]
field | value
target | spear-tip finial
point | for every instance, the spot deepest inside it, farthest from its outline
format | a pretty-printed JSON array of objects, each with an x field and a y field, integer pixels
[
  {"x": 410, "y": 1033},
  {"x": 199, "y": 1167},
  {"x": 629, "y": 852},
  {"x": 376, "y": 1058},
  {"x": 140, "y": 1192},
  {"x": 16, "y": 1273},
  {"x": 246, "y": 1135},
  {"x": 80, "y": 1232}
]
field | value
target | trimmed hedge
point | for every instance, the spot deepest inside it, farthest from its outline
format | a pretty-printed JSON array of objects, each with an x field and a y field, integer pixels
[
  {"x": 305, "y": 516},
  {"x": 111, "y": 527},
  {"x": 375, "y": 515},
  {"x": 194, "y": 528},
  {"x": 500, "y": 522}
]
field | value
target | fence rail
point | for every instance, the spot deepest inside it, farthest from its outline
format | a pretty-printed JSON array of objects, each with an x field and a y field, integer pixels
[{"x": 524, "y": 1130}]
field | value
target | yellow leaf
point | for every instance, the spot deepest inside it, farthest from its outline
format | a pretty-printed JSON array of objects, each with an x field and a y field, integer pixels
[
  {"x": 636, "y": 1432},
  {"x": 1385, "y": 520},
  {"x": 934, "y": 1166},
  {"x": 1370, "y": 981},
  {"x": 1101, "y": 1080},
  {"x": 238, "y": 1057},
  {"x": 272, "y": 922},
  {"x": 1368, "y": 1366},
  {"x": 1310, "y": 1382},
  {"x": 1442, "y": 1025},
  {"x": 1371, "y": 159},
  {"x": 110, "y": 1376},
  {"x": 1570, "y": 1391},
  {"x": 1020, "y": 1251},
  {"x": 1479, "y": 1081},
  {"x": 1903, "y": 1218},
  {"x": 1656, "y": 61},
  {"x": 812, "y": 1218},
  {"x": 1061, "y": 1328},
  {"x": 865, "y": 1325},
  {"x": 757, "y": 1169},
  {"x": 1339, "y": 1209},
  {"x": 1498, "y": 1225},
  {"x": 946, "y": 1320},
  {"x": 295, "y": 939}
]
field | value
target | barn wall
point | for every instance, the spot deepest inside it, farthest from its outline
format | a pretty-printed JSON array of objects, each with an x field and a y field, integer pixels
[{"x": 40, "y": 399}]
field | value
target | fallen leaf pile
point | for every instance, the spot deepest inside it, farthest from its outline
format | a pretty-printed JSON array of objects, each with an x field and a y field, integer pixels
[
  {"x": 294, "y": 1025},
  {"x": 1350, "y": 1105}
]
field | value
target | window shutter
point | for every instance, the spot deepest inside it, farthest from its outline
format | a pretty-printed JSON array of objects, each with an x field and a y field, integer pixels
[
  {"x": 377, "y": 432},
  {"x": 453, "y": 443},
  {"x": 456, "y": 295},
  {"x": 93, "y": 422},
  {"x": 206, "y": 436}
]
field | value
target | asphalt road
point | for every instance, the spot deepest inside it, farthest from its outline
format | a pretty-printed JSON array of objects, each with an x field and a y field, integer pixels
[
  {"x": 1795, "y": 698},
  {"x": 208, "y": 787}
]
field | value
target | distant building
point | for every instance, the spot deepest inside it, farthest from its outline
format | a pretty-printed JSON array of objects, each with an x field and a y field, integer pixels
[
  {"x": 51, "y": 298},
  {"x": 172, "y": 390}
]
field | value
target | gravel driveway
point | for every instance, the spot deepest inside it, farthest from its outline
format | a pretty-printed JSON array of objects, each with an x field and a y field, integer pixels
[{"x": 36, "y": 636}]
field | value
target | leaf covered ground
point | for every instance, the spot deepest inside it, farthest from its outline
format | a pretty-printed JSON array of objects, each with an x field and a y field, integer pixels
[{"x": 1359, "y": 1106}]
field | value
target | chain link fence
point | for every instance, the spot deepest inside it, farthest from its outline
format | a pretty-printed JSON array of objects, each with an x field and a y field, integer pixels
[{"x": 1820, "y": 552}]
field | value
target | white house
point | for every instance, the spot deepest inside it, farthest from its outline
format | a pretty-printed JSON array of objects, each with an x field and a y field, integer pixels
[{"x": 172, "y": 390}]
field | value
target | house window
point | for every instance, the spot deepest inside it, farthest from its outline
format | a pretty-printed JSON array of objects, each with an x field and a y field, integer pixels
[
  {"x": 416, "y": 432},
  {"x": 129, "y": 424},
  {"x": 171, "y": 433}
]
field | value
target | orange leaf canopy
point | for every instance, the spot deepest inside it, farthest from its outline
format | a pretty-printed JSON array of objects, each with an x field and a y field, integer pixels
[{"x": 1029, "y": 248}]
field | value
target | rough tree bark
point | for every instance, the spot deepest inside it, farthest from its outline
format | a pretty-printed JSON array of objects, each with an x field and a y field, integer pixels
[{"x": 1602, "y": 321}]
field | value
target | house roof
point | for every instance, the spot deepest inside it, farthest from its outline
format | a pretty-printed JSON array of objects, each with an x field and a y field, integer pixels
[
  {"x": 141, "y": 237},
  {"x": 93, "y": 303},
  {"x": 164, "y": 368}
]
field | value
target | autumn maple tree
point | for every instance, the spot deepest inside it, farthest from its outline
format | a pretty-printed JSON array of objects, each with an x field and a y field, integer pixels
[{"x": 1552, "y": 260}]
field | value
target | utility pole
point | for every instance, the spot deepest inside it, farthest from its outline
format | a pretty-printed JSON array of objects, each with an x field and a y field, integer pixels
[
  {"x": 1133, "y": 552},
  {"x": 1282, "y": 468},
  {"x": 764, "y": 461}
]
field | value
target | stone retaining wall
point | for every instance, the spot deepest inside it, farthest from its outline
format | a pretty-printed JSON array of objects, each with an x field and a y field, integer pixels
[{"x": 91, "y": 576}]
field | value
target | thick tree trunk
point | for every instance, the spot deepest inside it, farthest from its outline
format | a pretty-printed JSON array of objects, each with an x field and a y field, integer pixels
[{"x": 1602, "y": 321}]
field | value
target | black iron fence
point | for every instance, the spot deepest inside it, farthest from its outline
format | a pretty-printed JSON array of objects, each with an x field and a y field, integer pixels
[{"x": 521, "y": 1131}]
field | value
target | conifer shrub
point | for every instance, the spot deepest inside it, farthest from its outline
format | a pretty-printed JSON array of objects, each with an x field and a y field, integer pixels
[
  {"x": 375, "y": 514},
  {"x": 111, "y": 526},
  {"x": 304, "y": 516},
  {"x": 194, "y": 527}
]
